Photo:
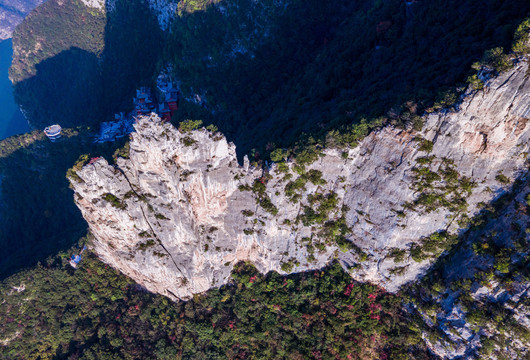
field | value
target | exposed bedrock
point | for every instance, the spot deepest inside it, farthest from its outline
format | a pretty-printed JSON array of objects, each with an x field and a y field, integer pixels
[{"x": 180, "y": 212}]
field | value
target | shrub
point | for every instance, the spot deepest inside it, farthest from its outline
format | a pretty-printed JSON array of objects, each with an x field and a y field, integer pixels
[
  {"x": 212, "y": 128},
  {"x": 315, "y": 177},
  {"x": 114, "y": 201},
  {"x": 521, "y": 45},
  {"x": 503, "y": 262},
  {"x": 268, "y": 206},
  {"x": 189, "y": 125},
  {"x": 500, "y": 177},
  {"x": 497, "y": 59},
  {"x": 475, "y": 82},
  {"x": 71, "y": 173},
  {"x": 425, "y": 145},
  {"x": 188, "y": 141},
  {"x": 278, "y": 155},
  {"x": 247, "y": 213},
  {"x": 122, "y": 152},
  {"x": 398, "y": 255},
  {"x": 146, "y": 245}
]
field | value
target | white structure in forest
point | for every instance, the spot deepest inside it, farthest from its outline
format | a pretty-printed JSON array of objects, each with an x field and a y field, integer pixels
[{"x": 53, "y": 132}]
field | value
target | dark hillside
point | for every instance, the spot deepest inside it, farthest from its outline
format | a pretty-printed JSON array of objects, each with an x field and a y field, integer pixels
[
  {"x": 318, "y": 66},
  {"x": 37, "y": 215},
  {"x": 73, "y": 66}
]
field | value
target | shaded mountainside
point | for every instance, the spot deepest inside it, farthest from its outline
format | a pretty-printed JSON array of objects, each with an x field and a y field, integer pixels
[
  {"x": 70, "y": 86},
  {"x": 267, "y": 71},
  {"x": 475, "y": 299},
  {"x": 37, "y": 215},
  {"x": 78, "y": 65},
  {"x": 264, "y": 71}
]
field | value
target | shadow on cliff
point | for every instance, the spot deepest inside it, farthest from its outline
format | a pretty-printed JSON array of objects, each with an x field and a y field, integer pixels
[
  {"x": 498, "y": 228},
  {"x": 67, "y": 89},
  {"x": 322, "y": 65}
]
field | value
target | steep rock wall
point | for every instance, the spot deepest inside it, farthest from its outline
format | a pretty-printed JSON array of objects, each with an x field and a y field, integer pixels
[{"x": 180, "y": 212}]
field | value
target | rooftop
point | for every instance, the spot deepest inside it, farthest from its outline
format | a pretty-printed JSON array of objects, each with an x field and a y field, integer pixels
[{"x": 53, "y": 130}]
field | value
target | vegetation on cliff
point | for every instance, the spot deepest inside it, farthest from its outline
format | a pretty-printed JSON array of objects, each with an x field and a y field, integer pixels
[{"x": 477, "y": 290}]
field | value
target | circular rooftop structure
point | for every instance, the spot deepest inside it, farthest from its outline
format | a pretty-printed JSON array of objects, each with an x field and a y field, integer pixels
[{"x": 53, "y": 131}]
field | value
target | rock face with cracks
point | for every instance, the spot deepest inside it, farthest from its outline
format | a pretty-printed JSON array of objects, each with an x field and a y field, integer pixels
[{"x": 180, "y": 211}]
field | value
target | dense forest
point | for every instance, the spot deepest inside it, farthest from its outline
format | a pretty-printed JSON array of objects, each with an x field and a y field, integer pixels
[
  {"x": 96, "y": 313},
  {"x": 266, "y": 74}
]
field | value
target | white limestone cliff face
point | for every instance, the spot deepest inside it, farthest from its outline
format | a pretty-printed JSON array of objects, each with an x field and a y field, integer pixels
[
  {"x": 95, "y": 4},
  {"x": 181, "y": 211}
]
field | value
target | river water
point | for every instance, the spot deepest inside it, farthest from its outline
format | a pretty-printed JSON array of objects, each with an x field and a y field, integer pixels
[{"x": 12, "y": 122}]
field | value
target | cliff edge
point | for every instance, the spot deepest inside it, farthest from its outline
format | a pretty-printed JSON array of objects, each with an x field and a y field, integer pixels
[{"x": 180, "y": 211}]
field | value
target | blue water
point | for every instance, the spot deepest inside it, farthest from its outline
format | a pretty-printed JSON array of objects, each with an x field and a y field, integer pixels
[{"x": 12, "y": 122}]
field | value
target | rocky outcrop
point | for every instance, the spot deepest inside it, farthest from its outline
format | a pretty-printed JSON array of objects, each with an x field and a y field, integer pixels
[
  {"x": 180, "y": 212},
  {"x": 165, "y": 10},
  {"x": 96, "y": 4},
  {"x": 477, "y": 305},
  {"x": 12, "y": 12}
]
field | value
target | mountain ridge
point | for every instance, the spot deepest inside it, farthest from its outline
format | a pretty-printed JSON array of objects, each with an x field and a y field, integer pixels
[{"x": 399, "y": 194}]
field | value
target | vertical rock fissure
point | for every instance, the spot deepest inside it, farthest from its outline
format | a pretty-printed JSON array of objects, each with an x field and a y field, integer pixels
[{"x": 149, "y": 224}]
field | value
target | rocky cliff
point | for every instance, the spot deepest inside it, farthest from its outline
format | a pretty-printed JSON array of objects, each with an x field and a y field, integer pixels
[
  {"x": 12, "y": 12},
  {"x": 180, "y": 211}
]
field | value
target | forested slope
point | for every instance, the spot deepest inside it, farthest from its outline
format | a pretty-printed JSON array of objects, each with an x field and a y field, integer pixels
[
  {"x": 77, "y": 65},
  {"x": 96, "y": 313},
  {"x": 267, "y": 72}
]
